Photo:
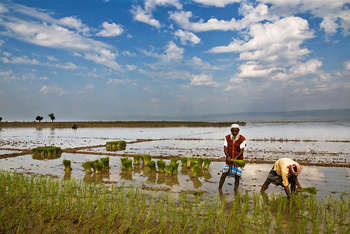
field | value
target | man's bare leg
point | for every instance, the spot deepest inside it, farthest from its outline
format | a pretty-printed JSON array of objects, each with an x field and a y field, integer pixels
[
  {"x": 236, "y": 183},
  {"x": 222, "y": 180}
]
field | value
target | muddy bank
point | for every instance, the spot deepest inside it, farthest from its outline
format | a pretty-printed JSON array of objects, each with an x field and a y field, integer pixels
[{"x": 117, "y": 124}]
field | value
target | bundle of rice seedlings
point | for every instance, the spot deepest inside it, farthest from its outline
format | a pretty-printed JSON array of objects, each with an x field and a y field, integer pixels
[
  {"x": 115, "y": 145},
  {"x": 126, "y": 163},
  {"x": 46, "y": 152},
  {"x": 88, "y": 166},
  {"x": 196, "y": 170},
  {"x": 67, "y": 165},
  {"x": 190, "y": 162},
  {"x": 161, "y": 165},
  {"x": 137, "y": 159},
  {"x": 240, "y": 163},
  {"x": 206, "y": 163},
  {"x": 98, "y": 166},
  {"x": 311, "y": 190},
  {"x": 174, "y": 166},
  {"x": 152, "y": 165},
  {"x": 173, "y": 161},
  {"x": 105, "y": 162},
  {"x": 200, "y": 162},
  {"x": 168, "y": 169},
  {"x": 146, "y": 159},
  {"x": 184, "y": 162}
]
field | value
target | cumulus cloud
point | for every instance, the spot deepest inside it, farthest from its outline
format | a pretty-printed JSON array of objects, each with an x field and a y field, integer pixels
[
  {"x": 272, "y": 42},
  {"x": 67, "y": 66},
  {"x": 48, "y": 32},
  {"x": 202, "y": 64},
  {"x": 53, "y": 89},
  {"x": 145, "y": 14},
  {"x": 347, "y": 65},
  {"x": 173, "y": 52},
  {"x": 250, "y": 14},
  {"x": 131, "y": 67},
  {"x": 334, "y": 14},
  {"x": 203, "y": 80},
  {"x": 20, "y": 60},
  {"x": 187, "y": 37},
  {"x": 217, "y": 3},
  {"x": 110, "y": 30}
]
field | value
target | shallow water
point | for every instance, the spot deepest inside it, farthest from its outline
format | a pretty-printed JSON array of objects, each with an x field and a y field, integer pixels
[{"x": 326, "y": 180}]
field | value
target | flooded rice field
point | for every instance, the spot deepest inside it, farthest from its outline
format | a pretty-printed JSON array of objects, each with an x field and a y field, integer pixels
[{"x": 323, "y": 148}]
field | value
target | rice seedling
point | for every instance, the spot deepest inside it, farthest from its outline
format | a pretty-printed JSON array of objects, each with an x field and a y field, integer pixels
[
  {"x": 46, "y": 152},
  {"x": 115, "y": 145},
  {"x": 240, "y": 163},
  {"x": 67, "y": 165},
  {"x": 47, "y": 205},
  {"x": 206, "y": 163},
  {"x": 184, "y": 162},
  {"x": 152, "y": 165},
  {"x": 168, "y": 169},
  {"x": 190, "y": 162},
  {"x": 88, "y": 166},
  {"x": 137, "y": 159},
  {"x": 200, "y": 162},
  {"x": 98, "y": 166},
  {"x": 126, "y": 163},
  {"x": 311, "y": 190},
  {"x": 174, "y": 165},
  {"x": 161, "y": 165},
  {"x": 105, "y": 162},
  {"x": 146, "y": 159},
  {"x": 196, "y": 170}
]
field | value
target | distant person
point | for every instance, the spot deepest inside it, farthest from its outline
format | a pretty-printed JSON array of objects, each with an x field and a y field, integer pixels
[
  {"x": 284, "y": 173},
  {"x": 233, "y": 148}
]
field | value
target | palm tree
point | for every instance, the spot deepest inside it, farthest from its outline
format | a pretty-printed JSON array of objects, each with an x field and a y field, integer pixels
[
  {"x": 52, "y": 116},
  {"x": 39, "y": 118}
]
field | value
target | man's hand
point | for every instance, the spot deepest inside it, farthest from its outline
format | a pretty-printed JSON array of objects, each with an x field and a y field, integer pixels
[{"x": 286, "y": 189}]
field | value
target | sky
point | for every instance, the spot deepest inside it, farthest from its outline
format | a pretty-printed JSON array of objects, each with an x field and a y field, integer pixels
[{"x": 120, "y": 60}]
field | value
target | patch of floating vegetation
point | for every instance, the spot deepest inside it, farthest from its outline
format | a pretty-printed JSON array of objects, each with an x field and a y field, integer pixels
[
  {"x": 46, "y": 152},
  {"x": 115, "y": 145},
  {"x": 45, "y": 204}
]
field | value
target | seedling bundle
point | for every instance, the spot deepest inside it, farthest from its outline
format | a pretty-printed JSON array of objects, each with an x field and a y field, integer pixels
[
  {"x": 67, "y": 165},
  {"x": 115, "y": 145},
  {"x": 46, "y": 152},
  {"x": 98, "y": 166}
]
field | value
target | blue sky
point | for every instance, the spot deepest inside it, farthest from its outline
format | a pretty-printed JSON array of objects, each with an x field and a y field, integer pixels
[{"x": 116, "y": 59}]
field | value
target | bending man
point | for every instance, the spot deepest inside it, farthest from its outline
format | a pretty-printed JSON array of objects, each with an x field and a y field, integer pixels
[
  {"x": 284, "y": 172},
  {"x": 233, "y": 148}
]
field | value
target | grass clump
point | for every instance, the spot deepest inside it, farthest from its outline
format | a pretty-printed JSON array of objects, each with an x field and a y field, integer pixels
[
  {"x": 115, "y": 145},
  {"x": 46, "y": 152},
  {"x": 46, "y": 205}
]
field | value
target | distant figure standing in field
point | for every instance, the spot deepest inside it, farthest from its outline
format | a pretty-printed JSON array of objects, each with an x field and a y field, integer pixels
[
  {"x": 285, "y": 171},
  {"x": 233, "y": 148}
]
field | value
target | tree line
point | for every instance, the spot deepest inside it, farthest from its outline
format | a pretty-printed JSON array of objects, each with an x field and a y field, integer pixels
[{"x": 51, "y": 116}]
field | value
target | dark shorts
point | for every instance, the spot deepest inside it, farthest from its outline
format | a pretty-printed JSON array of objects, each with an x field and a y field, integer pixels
[{"x": 273, "y": 178}]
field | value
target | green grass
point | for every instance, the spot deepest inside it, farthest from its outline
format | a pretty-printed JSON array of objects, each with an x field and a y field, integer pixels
[{"x": 37, "y": 204}]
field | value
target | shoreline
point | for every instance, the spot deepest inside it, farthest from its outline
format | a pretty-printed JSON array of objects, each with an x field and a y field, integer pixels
[{"x": 146, "y": 124}]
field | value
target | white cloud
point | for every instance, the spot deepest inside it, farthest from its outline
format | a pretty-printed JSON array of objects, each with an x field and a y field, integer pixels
[
  {"x": 131, "y": 67},
  {"x": 250, "y": 14},
  {"x": 145, "y": 17},
  {"x": 254, "y": 70},
  {"x": 173, "y": 52},
  {"x": 74, "y": 23},
  {"x": 1, "y": 42},
  {"x": 203, "y": 80},
  {"x": 145, "y": 14},
  {"x": 347, "y": 65},
  {"x": 54, "y": 89},
  {"x": 277, "y": 42},
  {"x": 217, "y": 3},
  {"x": 203, "y": 65},
  {"x": 115, "y": 81},
  {"x": 187, "y": 36},
  {"x": 334, "y": 14},
  {"x": 51, "y": 58},
  {"x": 110, "y": 30},
  {"x": 50, "y": 34},
  {"x": 3, "y": 9},
  {"x": 309, "y": 67},
  {"x": 20, "y": 60},
  {"x": 67, "y": 66}
]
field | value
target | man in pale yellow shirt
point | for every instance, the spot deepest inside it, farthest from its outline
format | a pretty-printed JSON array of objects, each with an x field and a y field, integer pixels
[{"x": 285, "y": 171}]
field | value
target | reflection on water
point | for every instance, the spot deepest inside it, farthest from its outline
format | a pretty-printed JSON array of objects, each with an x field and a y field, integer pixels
[
  {"x": 67, "y": 175},
  {"x": 126, "y": 174}
]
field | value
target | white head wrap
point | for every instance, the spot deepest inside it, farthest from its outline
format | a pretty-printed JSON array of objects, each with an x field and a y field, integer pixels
[{"x": 235, "y": 126}]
